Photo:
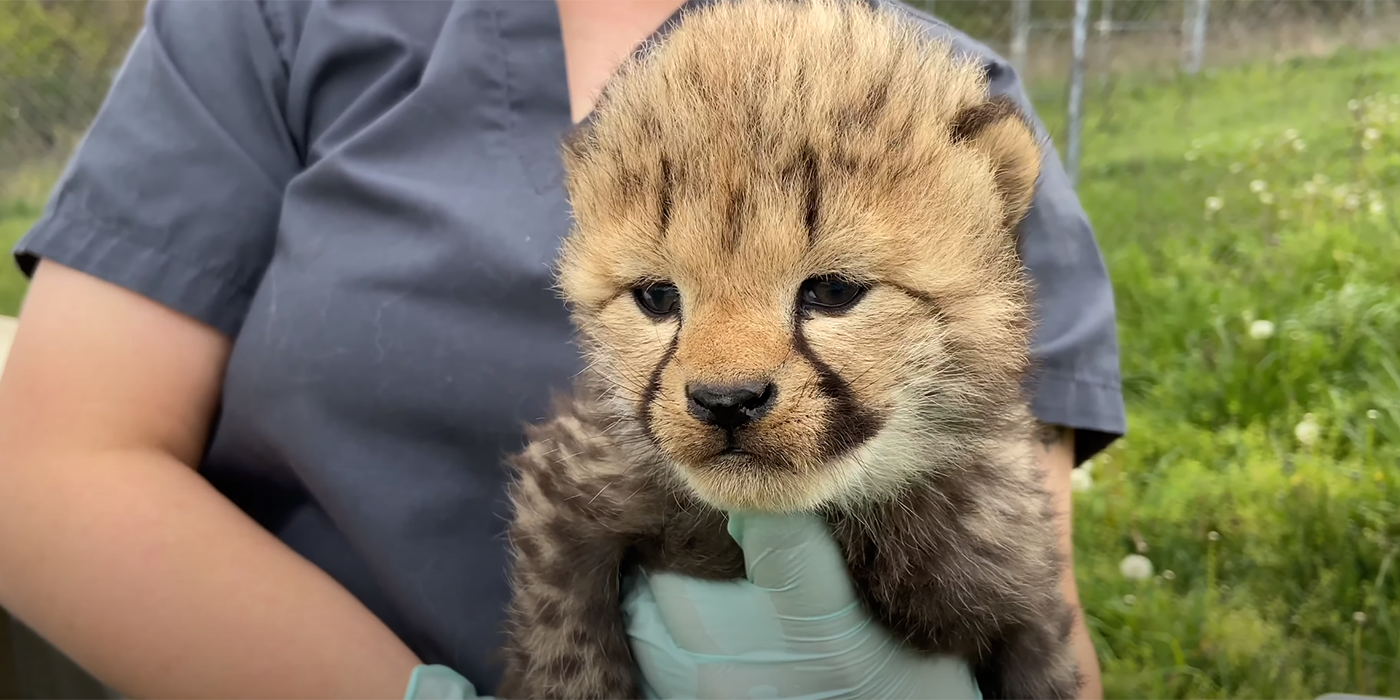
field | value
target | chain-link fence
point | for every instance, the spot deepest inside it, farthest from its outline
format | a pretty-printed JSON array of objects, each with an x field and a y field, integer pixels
[
  {"x": 1074, "y": 54},
  {"x": 57, "y": 57}
]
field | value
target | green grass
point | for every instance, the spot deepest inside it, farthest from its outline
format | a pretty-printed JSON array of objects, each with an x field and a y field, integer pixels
[
  {"x": 14, "y": 221},
  {"x": 22, "y": 195},
  {"x": 1297, "y": 592},
  {"x": 1275, "y": 547}
]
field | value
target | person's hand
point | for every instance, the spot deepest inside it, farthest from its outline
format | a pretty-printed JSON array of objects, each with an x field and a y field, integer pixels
[
  {"x": 793, "y": 629},
  {"x": 437, "y": 682}
]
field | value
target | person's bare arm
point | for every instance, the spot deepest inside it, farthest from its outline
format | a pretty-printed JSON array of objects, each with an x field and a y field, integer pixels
[
  {"x": 117, "y": 551},
  {"x": 1055, "y": 447}
]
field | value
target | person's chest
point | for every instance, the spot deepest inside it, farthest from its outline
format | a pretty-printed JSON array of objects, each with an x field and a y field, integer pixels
[
  {"x": 413, "y": 260},
  {"x": 406, "y": 326}
]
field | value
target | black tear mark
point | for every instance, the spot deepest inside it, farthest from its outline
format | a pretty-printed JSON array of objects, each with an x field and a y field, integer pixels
[
  {"x": 654, "y": 385},
  {"x": 971, "y": 121},
  {"x": 849, "y": 425}
]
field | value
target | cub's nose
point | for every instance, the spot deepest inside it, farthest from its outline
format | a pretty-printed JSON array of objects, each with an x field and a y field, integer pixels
[{"x": 730, "y": 406}]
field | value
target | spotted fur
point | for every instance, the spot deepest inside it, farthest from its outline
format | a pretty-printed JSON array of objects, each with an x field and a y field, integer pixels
[{"x": 763, "y": 147}]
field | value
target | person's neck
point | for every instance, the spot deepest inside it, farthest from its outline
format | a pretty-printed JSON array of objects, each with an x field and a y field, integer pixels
[{"x": 598, "y": 36}]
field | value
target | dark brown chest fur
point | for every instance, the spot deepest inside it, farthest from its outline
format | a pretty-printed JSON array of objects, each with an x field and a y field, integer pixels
[{"x": 962, "y": 563}]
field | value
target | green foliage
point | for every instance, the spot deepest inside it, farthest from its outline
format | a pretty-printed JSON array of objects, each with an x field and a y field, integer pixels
[
  {"x": 1249, "y": 225},
  {"x": 12, "y": 283},
  {"x": 56, "y": 61},
  {"x": 22, "y": 194}
]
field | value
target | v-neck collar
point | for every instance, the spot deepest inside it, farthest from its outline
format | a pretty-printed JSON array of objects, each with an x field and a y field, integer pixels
[{"x": 660, "y": 33}]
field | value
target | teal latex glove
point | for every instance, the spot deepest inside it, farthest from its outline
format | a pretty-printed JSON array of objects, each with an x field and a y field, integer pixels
[
  {"x": 434, "y": 682},
  {"x": 793, "y": 629}
]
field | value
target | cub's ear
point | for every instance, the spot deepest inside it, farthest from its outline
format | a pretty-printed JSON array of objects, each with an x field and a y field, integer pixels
[{"x": 1000, "y": 131}]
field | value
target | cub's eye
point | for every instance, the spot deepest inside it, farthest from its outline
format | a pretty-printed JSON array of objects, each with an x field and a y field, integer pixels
[
  {"x": 658, "y": 299},
  {"x": 829, "y": 293}
]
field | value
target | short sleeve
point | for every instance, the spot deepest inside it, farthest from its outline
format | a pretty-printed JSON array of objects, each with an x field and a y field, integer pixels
[
  {"x": 176, "y": 189},
  {"x": 1077, "y": 380}
]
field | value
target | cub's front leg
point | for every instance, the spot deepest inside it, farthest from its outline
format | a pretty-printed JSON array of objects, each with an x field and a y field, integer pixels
[
  {"x": 972, "y": 570},
  {"x": 579, "y": 510}
]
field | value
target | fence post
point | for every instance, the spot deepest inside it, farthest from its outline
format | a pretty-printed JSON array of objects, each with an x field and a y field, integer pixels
[
  {"x": 1193, "y": 34},
  {"x": 1020, "y": 34},
  {"x": 1075, "y": 124},
  {"x": 1105, "y": 31}
]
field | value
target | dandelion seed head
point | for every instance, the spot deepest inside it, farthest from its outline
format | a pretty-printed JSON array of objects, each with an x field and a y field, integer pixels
[
  {"x": 1258, "y": 186},
  {"x": 1080, "y": 480},
  {"x": 1168, "y": 574},
  {"x": 1214, "y": 203},
  {"x": 1373, "y": 414},
  {"x": 1213, "y": 536},
  {"x": 1358, "y": 617},
  {"x": 1261, "y": 330},
  {"x": 1307, "y": 431},
  {"x": 1135, "y": 567}
]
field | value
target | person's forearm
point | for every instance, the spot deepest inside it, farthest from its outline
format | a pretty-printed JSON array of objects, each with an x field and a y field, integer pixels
[
  {"x": 156, "y": 584},
  {"x": 1055, "y": 448}
]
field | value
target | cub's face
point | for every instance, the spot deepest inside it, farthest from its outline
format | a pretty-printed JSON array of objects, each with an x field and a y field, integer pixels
[{"x": 795, "y": 306}]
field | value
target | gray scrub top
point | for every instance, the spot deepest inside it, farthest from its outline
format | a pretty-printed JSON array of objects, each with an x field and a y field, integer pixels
[{"x": 366, "y": 197}]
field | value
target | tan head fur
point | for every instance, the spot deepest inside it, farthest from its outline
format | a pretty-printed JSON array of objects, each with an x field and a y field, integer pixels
[{"x": 820, "y": 203}]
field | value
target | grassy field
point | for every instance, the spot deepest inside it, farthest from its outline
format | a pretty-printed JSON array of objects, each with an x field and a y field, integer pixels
[{"x": 1248, "y": 219}]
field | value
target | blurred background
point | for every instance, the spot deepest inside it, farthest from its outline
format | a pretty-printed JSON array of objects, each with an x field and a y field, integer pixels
[{"x": 1240, "y": 161}]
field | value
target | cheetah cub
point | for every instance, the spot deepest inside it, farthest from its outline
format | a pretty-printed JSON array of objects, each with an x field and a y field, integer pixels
[{"x": 794, "y": 274}]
